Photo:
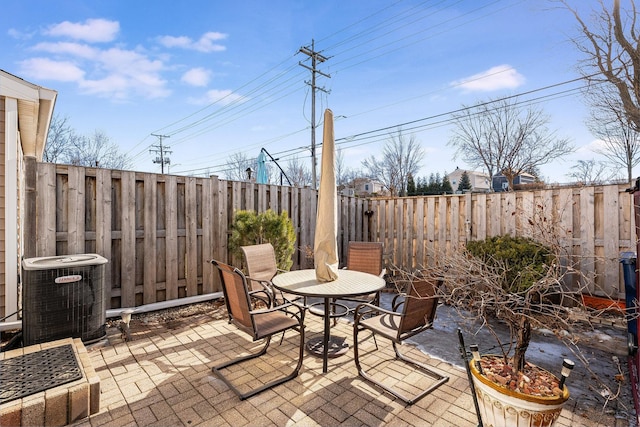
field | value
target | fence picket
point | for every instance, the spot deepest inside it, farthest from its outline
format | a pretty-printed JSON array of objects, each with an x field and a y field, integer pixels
[
  {"x": 127, "y": 240},
  {"x": 149, "y": 294},
  {"x": 171, "y": 238}
]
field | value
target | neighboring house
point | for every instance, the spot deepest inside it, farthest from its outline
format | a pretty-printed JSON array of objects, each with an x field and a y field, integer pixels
[
  {"x": 479, "y": 181},
  {"x": 362, "y": 187},
  {"x": 25, "y": 115},
  {"x": 500, "y": 182}
]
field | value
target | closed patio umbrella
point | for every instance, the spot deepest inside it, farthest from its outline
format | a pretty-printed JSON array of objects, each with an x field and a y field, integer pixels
[
  {"x": 262, "y": 175},
  {"x": 325, "y": 247}
]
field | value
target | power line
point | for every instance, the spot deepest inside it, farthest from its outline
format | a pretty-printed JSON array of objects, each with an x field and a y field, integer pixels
[{"x": 425, "y": 123}]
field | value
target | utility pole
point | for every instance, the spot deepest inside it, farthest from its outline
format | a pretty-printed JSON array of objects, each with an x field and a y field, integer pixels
[
  {"x": 316, "y": 57},
  {"x": 162, "y": 151}
]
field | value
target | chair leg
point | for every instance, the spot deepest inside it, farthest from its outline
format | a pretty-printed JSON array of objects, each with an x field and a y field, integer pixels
[
  {"x": 217, "y": 370},
  {"x": 440, "y": 379}
]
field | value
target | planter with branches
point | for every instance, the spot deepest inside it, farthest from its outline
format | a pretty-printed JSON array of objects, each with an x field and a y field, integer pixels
[{"x": 525, "y": 283}]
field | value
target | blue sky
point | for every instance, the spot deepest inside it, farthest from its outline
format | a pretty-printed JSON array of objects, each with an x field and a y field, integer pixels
[{"x": 222, "y": 77}]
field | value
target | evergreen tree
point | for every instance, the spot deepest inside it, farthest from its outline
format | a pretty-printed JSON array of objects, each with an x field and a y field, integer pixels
[
  {"x": 411, "y": 186},
  {"x": 435, "y": 184},
  {"x": 465, "y": 182},
  {"x": 421, "y": 186},
  {"x": 446, "y": 185}
]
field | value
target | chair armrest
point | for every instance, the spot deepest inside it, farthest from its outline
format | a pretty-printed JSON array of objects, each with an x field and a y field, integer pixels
[
  {"x": 266, "y": 290},
  {"x": 283, "y": 307},
  {"x": 267, "y": 299},
  {"x": 370, "y": 308},
  {"x": 266, "y": 284}
]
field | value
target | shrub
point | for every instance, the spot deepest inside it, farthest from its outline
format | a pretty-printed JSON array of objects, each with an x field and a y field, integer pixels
[
  {"x": 524, "y": 261},
  {"x": 252, "y": 228}
]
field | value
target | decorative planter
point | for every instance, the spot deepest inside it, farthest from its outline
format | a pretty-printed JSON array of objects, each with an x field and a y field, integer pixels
[{"x": 501, "y": 407}]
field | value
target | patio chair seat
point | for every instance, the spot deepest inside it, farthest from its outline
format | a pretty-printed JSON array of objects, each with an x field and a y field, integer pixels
[
  {"x": 367, "y": 258},
  {"x": 271, "y": 323},
  {"x": 260, "y": 324},
  {"x": 412, "y": 313}
]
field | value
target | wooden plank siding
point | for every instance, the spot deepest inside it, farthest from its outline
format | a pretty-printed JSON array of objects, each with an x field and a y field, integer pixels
[
  {"x": 3, "y": 255},
  {"x": 159, "y": 231}
]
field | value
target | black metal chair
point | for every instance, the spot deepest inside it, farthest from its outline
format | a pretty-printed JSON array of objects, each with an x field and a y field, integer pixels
[
  {"x": 262, "y": 266},
  {"x": 412, "y": 313},
  {"x": 365, "y": 257},
  {"x": 258, "y": 323}
]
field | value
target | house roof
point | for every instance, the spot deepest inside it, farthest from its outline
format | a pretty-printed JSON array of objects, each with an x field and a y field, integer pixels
[
  {"x": 469, "y": 172},
  {"x": 35, "y": 109}
]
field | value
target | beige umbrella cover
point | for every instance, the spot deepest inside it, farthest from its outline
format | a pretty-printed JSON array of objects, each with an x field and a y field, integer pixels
[{"x": 325, "y": 247}]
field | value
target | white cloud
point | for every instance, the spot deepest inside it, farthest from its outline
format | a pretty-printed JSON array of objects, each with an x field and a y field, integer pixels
[
  {"x": 128, "y": 61},
  {"x": 92, "y": 30},
  {"x": 48, "y": 69},
  {"x": 113, "y": 73},
  {"x": 196, "y": 77},
  {"x": 495, "y": 78},
  {"x": 19, "y": 35},
  {"x": 125, "y": 72},
  {"x": 206, "y": 43},
  {"x": 223, "y": 97},
  {"x": 171, "y": 41},
  {"x": 120, "y": 87},
  {"x": 587, "y": 151},
  {"x": 74, "y": 49}
]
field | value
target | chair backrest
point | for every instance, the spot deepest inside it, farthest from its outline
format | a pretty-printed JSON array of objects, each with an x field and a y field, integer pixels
[
  {"x": 419, "y": 308},
  {"x": 365, "y": 257},
  {"x": 236, "y": 294},
  {"x": 260, "y": 261}
]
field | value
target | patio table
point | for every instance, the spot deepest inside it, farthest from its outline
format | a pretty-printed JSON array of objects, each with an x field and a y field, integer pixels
[{"x": 349, "y": 283}]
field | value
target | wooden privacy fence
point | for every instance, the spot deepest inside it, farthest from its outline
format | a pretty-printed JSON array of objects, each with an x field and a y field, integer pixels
[
  {"x": 593, "y": 225},
  {"x": 159, "y": 231}
]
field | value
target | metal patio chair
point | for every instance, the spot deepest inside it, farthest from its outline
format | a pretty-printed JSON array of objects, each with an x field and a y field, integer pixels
[
  {"x": 412, "y": 313},
  {"x": 365, "y": 257},
  {"x": 260, "y": 324},
  {"x": 261, "y": 268}
]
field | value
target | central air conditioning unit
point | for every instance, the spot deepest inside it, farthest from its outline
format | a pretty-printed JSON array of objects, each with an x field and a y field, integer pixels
[{"x": 62, "y": 297}]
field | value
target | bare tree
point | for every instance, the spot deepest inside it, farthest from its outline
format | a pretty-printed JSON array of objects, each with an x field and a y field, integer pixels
[
  {"x": 344, "y": 174},
  {"x": 237, "y": 165},
  {"x": 590, "y": 172},
  {"x": 400, "y": 158},
  {"x": 298, "y": 173},
  {"x": 341, "y": 169},
  {"x": 97, "y": 150},
  {"x": 503, "y": 137},
  {"x": 58, "y": 139},
  {"x": 65, "y": 145},
  {"x": 611, "y": 49},
  {"x": 607, "y": 122}
]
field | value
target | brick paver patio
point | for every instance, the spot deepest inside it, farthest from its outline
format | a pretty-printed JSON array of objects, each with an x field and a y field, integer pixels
[{"x": 162, "y": 377}]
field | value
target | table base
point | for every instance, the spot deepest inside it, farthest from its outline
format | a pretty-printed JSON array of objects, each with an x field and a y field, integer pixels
[{"x": 337, "y": 346}]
